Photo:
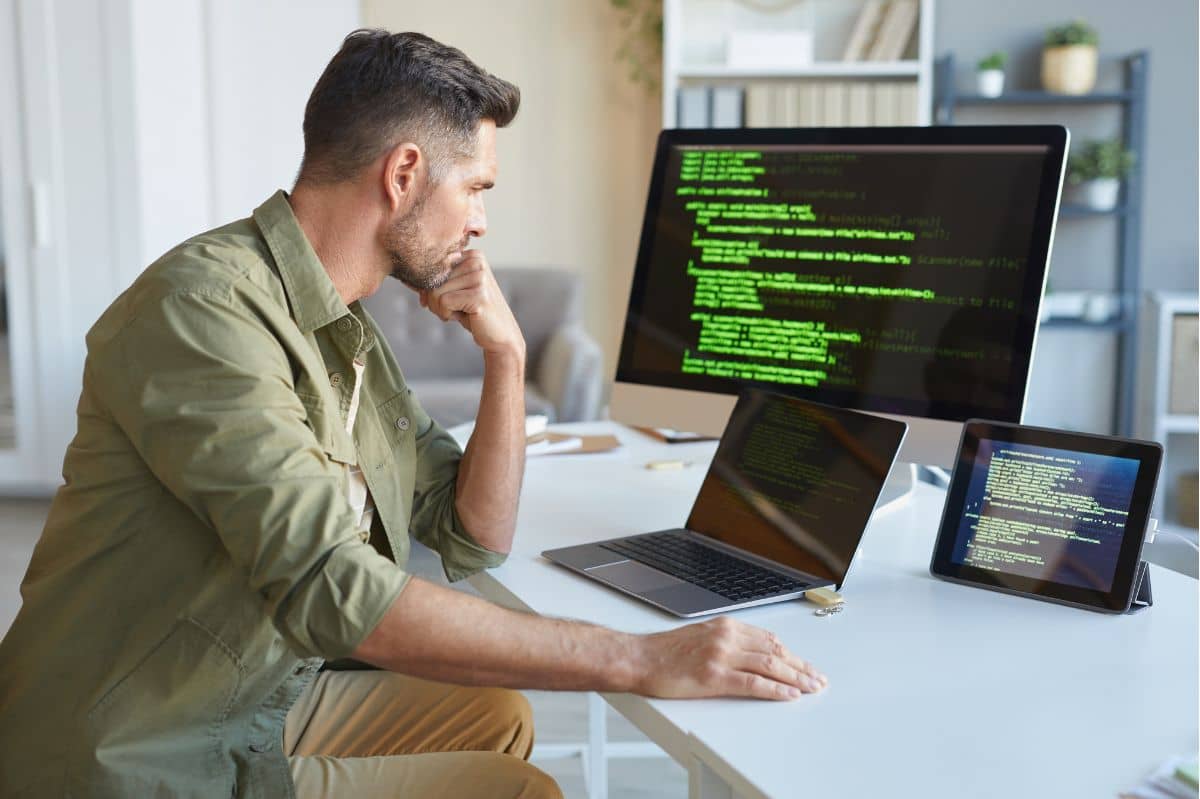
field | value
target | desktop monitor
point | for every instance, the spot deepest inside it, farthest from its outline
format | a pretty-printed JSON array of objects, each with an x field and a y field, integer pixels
[{"x": 891, "y": 270}]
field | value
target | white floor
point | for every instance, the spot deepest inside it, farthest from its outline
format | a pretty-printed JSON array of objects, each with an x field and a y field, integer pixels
[{"x": 558, "y": 717}]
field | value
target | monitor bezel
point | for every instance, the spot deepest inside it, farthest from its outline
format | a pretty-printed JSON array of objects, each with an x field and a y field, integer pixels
[
  {"x": 1054, "y": 137},
  {"x": 1118, "y": 598}
]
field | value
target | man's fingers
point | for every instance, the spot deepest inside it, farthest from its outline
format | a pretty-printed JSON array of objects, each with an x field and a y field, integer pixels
[
  {"x": 758, "y": 687},
  {"x": 779, "y": 670},
  {"x": 759, "y": 640},
  {"x": 462, "y": 301}
]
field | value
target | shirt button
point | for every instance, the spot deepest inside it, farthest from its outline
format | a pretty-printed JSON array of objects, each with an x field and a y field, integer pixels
[
  {"x": 344, "y": 324},
  {"x": 335, "y": 379},
  {"x": 402, "y": 423},
  {"x": 364, "y": 536}
]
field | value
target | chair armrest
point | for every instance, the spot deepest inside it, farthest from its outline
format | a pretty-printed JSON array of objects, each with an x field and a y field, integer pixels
[{"x": 569, "y": 374}]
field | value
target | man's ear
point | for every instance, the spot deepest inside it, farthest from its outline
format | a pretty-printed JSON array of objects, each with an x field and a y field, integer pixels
[{"x": 404, "y": 168}]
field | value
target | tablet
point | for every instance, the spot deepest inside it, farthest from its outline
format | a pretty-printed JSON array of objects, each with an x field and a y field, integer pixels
[{"x": 1048, "y": 514}]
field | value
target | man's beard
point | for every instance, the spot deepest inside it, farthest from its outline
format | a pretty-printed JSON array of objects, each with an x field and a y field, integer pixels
[{"x": 414, "y": 263}]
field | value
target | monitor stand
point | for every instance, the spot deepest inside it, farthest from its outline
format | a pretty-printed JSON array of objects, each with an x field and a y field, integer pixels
[{"x": 897, "y": 488}]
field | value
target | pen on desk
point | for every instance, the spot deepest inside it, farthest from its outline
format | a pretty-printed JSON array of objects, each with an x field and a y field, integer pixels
[{"x": 662, "y": 466}]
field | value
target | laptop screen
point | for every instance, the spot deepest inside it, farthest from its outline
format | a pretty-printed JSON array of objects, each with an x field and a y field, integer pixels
[{"x": 796, "y": 481}]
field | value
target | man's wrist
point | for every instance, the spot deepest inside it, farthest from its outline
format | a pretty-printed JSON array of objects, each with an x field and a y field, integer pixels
[
  {"x": 626, "y": 673},
  {"x": 506, "y": 356}
]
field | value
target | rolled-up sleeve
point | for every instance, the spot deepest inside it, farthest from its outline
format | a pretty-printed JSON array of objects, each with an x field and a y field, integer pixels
[
  {"x": 435, "y": 522},
  {"x": 205, "y": 393}
]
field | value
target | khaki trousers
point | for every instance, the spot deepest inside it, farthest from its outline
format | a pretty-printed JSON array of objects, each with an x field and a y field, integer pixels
[{"x": 379, "y": 735}]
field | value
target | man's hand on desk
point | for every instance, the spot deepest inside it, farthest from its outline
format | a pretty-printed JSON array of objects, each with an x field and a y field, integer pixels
[
  {"x": 723, "y": 657},
  {"x": 439, "y": 634}
]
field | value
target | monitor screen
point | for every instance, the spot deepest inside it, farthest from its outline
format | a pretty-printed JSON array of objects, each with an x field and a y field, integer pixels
[{"x": 896, "y": 270}]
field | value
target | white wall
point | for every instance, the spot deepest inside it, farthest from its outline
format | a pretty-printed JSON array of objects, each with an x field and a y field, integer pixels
[
  {"x": 575, "y": 164},
  {"x": 141, "y": 123},
  {"x": 219, "y": 114}
]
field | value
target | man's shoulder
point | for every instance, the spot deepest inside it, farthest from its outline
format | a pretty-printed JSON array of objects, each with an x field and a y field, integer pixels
[
  {"x": 231, "y": 264},
  {"x": 220, "y": 263}
]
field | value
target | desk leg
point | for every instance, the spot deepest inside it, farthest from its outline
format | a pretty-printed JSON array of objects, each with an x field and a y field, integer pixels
[
  {"x": 595, "y": 758},
  {"x": 704, "y": 783}
]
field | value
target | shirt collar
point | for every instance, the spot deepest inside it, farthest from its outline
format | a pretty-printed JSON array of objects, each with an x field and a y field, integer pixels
[{"x": 314, "y": 300}]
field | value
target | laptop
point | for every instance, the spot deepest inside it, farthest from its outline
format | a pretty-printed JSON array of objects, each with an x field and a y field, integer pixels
[{"x": 782, "y": 510}]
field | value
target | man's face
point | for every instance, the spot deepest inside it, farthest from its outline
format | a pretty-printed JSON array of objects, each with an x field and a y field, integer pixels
[{"x": 428, "y": 240}]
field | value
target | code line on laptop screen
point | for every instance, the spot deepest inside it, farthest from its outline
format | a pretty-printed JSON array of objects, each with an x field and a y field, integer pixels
[{"x": 796, "y": 482}]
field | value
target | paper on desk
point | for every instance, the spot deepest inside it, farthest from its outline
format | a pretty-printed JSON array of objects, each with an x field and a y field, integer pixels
[
  {"x": 549, "y": 443},
  {"x": 568, "y": 443},
  {"x": 1166, "y": 782}
]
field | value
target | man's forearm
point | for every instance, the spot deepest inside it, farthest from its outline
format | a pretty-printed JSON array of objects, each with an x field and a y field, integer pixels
[
  {"x": 489, "y": 477},
  {"x": 440, "y": 634}
]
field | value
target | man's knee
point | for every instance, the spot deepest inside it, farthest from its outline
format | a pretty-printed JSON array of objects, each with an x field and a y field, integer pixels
[
  {"x": 520, "y": 780},
  {"x": 512, "y": 717}
]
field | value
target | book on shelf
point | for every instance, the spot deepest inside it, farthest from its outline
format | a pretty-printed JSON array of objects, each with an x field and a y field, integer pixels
[
  {"x": 726, "y": 106},
  {"x": 758, "y": 105},
  {"x": 808, "y": 104},
  {"x": 884, "y": 105},
  {"x": 906, "y": 104},
  {"x": 833, "y": 105},
  {"x": 865, "y": 27},
  {"x": 858, "y": 105},
  {"x": 895, "y": 29},
  {"x": 794, "y": 116},
  {"x": 825, "y": 103},
  {"x": 693, "y": 107}
]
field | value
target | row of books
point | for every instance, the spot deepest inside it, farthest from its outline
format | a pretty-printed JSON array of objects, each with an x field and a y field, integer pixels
[
  {"x": 882, "y": 32},
  {"x": 799, "y": 104}
]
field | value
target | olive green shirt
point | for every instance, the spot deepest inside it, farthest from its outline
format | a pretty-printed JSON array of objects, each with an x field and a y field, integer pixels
[{"x": 202, "y": 560}]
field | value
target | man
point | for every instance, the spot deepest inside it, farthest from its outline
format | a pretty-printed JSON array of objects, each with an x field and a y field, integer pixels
[{"x": 248, "y": 466}]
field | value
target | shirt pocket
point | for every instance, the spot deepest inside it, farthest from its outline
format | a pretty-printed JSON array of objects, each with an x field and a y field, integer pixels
[
  {"x": 398, "y": 424},
  {"x": 162, "y": 723}
]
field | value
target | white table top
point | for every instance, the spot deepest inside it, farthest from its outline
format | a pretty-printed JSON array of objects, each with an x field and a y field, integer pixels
[{"x": 935, "y": 688}]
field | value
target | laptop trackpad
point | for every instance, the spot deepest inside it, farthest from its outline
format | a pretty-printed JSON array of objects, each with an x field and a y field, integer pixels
[{"x": 635, "y": 577}]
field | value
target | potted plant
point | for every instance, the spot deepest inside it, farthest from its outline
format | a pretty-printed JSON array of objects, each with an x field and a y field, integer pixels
[
  {"x": 990, "y": 73},
  {"x": 1095, "y": 172},
  {"x": 1069, "y": 58}
]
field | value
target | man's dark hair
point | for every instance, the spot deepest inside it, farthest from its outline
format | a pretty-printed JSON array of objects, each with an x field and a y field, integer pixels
[{"x": 381, "y": 89}]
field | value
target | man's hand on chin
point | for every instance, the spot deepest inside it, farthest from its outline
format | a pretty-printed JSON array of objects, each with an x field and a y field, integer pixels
[{"x": 471, "y": 297}]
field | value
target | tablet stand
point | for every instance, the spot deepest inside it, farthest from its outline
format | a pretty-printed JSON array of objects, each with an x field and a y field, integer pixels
[{"x": 1142, "y": 596}]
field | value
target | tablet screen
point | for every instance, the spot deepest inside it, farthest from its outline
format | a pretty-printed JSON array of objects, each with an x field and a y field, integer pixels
[
  {"x": 1046, "y": 514},
  {"x": 1050, "y": 514}
]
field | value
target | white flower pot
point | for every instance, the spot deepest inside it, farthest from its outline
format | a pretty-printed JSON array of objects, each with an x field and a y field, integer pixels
[
  {"x": 1069, "y": 69},
  {"x": 1100, "y": 194},
  {"x": 991, "y": 82}
]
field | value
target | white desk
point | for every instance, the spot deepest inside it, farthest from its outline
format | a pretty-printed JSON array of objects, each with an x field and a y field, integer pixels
[{"x": 935, "y": 689}]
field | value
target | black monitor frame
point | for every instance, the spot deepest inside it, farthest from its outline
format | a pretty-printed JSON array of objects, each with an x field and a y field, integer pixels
[{"x": 1053, "y": 137}]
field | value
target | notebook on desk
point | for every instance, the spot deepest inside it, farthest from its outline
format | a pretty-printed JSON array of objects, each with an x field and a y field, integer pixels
[{"x": 781, "y": 511}]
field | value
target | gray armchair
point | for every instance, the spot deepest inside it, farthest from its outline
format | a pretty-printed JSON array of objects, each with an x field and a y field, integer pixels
[{"x": 445, "y": 369}]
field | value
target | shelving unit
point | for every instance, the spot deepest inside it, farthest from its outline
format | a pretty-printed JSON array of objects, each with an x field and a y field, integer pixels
[
  {"x": 693, "y": 32},
  {"x": 1167, "y": 410},
  {"x": 1131, "y": 100}
]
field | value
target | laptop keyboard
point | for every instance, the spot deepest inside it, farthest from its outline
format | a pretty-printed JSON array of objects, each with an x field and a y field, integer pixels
[{"x": 682, "y": 556}]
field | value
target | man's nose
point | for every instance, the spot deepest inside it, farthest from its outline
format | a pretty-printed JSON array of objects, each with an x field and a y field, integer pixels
[{"x": 477, "y": 221}]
